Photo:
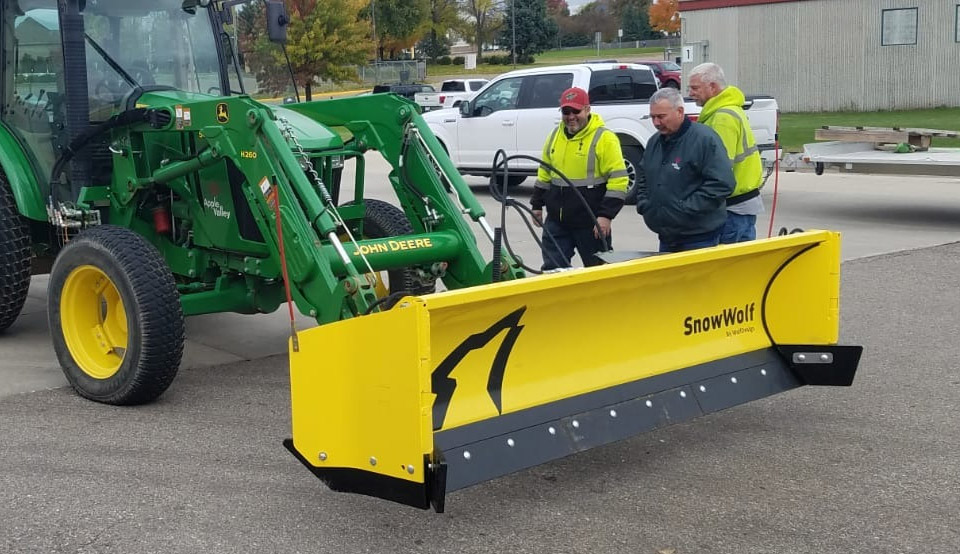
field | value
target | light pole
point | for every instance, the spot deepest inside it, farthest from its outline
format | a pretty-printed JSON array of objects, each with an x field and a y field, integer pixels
[
  {"x": 376, "y": 45},
  {"x": 513, "y": 25}
]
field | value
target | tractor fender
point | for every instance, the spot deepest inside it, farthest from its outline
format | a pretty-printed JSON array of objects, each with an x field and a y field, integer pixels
[{"x": 20, "y": 175}]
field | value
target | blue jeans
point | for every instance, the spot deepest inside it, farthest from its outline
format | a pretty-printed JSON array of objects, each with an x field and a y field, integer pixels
[
  {"x": 558, "y": 254},
  {"x": 738, "y": 228},
  {"x": 683, "y": 244}
]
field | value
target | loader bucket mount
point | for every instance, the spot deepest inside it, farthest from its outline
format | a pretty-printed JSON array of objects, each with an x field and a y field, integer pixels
[{"x": 460, "y": 387}]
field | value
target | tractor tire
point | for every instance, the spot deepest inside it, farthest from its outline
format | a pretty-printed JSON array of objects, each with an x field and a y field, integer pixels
[
  {"x": 633, "y": 159},
  {"x": 115, "y": 317},
  {"x": 14, "y": 257},
  {"x": 382, "y": 220}
]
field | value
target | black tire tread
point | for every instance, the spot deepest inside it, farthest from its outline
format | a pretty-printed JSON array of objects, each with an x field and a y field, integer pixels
[
  {"x": 14, "y": 257},
  {"x": 383, "y": 220},
  {"x": 635, "y": 155},
  {"x": 160, "y": 321}
]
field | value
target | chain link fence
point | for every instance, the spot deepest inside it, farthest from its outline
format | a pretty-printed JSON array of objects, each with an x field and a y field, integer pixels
[{"x": 402, "y": 71}]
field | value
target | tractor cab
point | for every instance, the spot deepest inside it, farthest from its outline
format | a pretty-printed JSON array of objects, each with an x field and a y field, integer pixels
[{"x": 73, "y": 66}]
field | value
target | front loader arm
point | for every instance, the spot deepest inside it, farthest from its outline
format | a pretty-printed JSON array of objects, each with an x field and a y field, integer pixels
[
  {"x": 306, "y": 222},
  {"x": 422, "y": 174}
]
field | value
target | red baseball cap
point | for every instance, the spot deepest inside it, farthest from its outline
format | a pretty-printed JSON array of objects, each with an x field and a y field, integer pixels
[{"x": 575, "y": 98}]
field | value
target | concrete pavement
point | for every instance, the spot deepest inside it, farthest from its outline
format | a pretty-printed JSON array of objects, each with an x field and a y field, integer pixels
[{"x": 870, "y": 469}]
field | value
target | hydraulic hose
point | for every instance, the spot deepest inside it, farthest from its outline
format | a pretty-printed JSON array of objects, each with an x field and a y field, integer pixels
[{"x": 501, "y": 167}]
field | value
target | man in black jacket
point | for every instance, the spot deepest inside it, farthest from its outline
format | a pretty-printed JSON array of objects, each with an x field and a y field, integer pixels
[{"x": 688, "y": 178}]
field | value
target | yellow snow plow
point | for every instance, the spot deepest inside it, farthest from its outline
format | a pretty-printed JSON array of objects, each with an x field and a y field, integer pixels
[{"x": 448, "y": 390}]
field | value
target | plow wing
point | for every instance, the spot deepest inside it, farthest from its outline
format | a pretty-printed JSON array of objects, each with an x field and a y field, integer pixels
[{"x": 452, "y": 389}]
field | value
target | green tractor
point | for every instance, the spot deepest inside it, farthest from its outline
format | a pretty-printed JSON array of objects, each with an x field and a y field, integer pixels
[{"x": 139, "y": 171}]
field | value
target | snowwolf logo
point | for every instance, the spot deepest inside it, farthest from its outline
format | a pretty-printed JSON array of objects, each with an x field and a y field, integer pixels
[
  {"x": 734, "y": 315},
  {"x": 676, "y": 163},
  {"x": 444, "y": 387}
]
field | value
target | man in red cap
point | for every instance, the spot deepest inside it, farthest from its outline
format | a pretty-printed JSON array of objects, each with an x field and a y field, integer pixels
[{"x": 589, "y": 156}]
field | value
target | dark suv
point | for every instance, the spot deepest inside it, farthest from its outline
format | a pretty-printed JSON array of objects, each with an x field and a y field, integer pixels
[{"x": 407, "y": 90}]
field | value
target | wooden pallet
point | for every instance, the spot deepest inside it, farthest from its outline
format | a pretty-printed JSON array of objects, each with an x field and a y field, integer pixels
[{"x": 918, "y": 138}]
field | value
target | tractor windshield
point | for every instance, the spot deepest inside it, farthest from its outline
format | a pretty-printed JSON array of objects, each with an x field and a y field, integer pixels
[{"x": 148, "y": 43}]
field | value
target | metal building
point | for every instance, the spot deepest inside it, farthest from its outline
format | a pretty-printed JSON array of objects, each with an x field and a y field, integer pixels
[{"x": 830, "y": 55}]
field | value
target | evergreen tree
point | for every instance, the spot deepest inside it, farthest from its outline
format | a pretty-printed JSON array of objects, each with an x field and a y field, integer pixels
[{"x": 535, "y": 31}]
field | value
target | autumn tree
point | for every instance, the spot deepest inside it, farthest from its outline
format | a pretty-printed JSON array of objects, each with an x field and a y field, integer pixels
[
  {"x": 326, "y": 39},
  {"x": 558, "y": 8},
  {"x": 664, "y": 17},
  {"x": 485, "y": 18},
  {"x": 597, "y": 16}
]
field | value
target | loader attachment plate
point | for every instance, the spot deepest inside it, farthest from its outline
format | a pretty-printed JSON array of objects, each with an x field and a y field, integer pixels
[{"x": 449, "y": 390}]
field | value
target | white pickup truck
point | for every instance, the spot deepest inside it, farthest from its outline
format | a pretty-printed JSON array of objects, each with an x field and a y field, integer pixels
[
  {"x": 516, "y": 111},
  {"x": 452, "y": 92}
]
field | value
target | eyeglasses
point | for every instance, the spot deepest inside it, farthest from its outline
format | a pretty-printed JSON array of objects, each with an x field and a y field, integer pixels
[{"x": 568, "y": 111}]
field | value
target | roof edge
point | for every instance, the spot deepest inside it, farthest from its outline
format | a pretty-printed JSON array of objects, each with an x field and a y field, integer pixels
[{"x": 694, "y": 5}]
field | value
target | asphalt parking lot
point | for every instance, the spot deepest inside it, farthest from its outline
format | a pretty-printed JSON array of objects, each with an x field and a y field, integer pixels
[{"x": 873, "y": 468}]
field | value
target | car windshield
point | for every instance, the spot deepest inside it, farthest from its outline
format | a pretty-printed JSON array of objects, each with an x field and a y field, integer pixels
[{"x": 670, "y": 66}]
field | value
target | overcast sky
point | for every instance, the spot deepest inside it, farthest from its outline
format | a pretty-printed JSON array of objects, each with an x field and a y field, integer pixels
[{"x": 575, "y": 5}]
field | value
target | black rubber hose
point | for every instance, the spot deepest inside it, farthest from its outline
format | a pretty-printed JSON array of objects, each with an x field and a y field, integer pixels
[
  {"x": 501, "y": 196},
  {"x": 552, "y": 169}
]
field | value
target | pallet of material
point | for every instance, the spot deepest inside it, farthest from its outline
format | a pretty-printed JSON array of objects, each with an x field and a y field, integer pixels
[{"x": 918, "y": 138}]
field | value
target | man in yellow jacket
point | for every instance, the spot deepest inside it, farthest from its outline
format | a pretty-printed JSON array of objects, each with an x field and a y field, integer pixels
[
  {"x": 589, "y": 156},
  {"x": 723, "y": 112}
]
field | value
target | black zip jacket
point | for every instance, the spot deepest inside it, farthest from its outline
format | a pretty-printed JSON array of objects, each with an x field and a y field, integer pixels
[{"x": 688, "y": 178}]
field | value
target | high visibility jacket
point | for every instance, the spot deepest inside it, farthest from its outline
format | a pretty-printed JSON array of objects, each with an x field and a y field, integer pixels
[
  {"x": 724, "y": 114},
  {"x": 593, "y": 161}
]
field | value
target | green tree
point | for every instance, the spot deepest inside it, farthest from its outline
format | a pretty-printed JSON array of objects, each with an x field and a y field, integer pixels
[
  {"x": 484, "y": 18},
  {"x": 535, "y": 31},
  {"x": 400, "y": 23},
  {"x": 444, "y": 22},
  {"x": 635, "y": 21},
  {"x": 326, "y": 39},
  {"x": 434, "y": 46}
]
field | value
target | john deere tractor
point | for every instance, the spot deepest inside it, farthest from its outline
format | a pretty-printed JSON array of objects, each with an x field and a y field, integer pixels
[{"x": 138, "y": 170}]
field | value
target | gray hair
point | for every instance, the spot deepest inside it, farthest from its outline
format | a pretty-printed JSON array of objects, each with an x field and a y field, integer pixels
[
  {"x": 710, "y": 73},
  {"x": 667, "y": 94}
]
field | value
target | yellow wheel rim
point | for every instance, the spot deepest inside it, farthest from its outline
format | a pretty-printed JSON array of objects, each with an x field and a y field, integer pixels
[{"x": 93, "y": 321}]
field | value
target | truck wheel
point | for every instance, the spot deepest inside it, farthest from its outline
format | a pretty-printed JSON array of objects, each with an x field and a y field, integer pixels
[
  {"x": 672, "y": 84},
  {"x": 512, "y": 180},
  {"x": 382, "y": 220},
  {"x": 14, "y": 257},
  {"x": 633, "y": 159},
  {"x": 115, "y": 317}
]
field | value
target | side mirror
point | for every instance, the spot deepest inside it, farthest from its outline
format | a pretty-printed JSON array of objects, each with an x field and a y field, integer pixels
[
  {"x": 466, "y": 108},
  {"x": 190, "y": 6},
  {"x": 277, "y": 21}
]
